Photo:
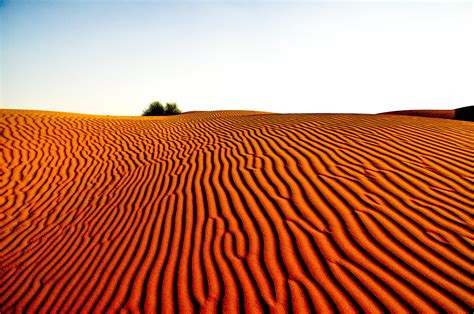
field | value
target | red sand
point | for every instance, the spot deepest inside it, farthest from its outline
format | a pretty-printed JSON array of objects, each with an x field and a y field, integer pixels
[{"x": 235, "y": 211}]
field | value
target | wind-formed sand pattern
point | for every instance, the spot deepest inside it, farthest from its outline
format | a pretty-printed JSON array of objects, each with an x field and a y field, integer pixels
[{"x": 235, "y": 211}]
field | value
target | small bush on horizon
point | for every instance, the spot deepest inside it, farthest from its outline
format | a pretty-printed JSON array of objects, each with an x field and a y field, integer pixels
[
  {"x": 171, "y": 108},
  {"x": 157, "y": 109}
]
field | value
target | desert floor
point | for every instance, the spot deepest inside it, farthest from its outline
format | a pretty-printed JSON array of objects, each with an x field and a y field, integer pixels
[{"x": 235, "y": 211}]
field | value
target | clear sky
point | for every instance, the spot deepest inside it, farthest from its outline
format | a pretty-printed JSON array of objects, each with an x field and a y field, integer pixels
[{"x": 115, "y": 57}]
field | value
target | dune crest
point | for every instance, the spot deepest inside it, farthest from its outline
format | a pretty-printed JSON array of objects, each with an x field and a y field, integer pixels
[{"x": 235, "y": 211}]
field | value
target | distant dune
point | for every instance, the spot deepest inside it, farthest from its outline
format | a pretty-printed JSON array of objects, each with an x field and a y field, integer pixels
[
  {"x": 235, "y": 211},
  {"x": 464, "y": 113}
]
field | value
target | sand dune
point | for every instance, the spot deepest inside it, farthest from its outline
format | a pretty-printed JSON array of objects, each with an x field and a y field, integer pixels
[
  {"x": 463, "y": 113},
  {"x": 443, "y": 114},
  {"x": 235, "y": 211}
]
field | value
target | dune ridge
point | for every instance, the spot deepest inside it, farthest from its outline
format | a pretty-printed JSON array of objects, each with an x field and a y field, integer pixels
[
  {"x": 442, "y": 114},
  {"x": 235, "y": 211},
  {"x": 462, "y": 113}
]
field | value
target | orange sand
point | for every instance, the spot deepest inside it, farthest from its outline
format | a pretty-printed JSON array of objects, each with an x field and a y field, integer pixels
[{"x": 235, "y": 211}]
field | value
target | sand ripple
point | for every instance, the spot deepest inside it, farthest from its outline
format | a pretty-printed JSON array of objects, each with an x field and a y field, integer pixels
[{"x": 235, "y": 211}]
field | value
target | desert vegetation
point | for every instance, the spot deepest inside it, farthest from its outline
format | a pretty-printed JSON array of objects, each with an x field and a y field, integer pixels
[{"x": 156, "y": 108}]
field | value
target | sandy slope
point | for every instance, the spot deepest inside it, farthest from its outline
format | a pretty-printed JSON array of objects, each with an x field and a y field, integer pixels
[{"x": 235, "y": 211}]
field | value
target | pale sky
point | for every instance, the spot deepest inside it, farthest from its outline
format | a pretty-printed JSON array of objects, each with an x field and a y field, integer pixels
[{"x": 115, "y": 57}]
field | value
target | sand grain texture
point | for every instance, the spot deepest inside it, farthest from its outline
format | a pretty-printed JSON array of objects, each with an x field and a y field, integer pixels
[{"x": 235, "y": 211}]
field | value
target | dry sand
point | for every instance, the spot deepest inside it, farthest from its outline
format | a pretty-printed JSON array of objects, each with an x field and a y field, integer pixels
[{"x": 235, "y": 211}]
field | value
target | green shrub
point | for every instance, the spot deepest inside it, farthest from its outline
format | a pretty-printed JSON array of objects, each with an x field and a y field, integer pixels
[
  {"x": 171, "y": 109},
  {"x": 157, "y": 109}
]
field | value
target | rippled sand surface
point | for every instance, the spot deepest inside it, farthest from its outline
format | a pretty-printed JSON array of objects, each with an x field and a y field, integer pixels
[{"x": 235, "y": 211}]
